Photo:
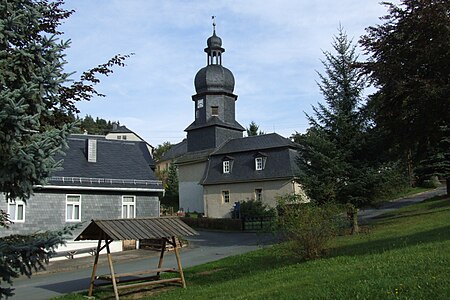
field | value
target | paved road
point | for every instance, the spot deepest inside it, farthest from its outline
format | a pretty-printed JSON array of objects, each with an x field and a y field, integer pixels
[
  {"x": 370, "y": 213},
  {"x": 206, "y": 247}
]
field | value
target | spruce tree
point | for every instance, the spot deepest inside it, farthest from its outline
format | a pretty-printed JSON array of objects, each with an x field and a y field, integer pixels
[
  {"x": 332, "y": 163},
  {"x": 37, "y": 108}
]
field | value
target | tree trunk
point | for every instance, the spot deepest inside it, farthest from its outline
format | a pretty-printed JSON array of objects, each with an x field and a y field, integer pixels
[
  {"x": 355, "y": 226},
  {"x": 448, "y": 186}
]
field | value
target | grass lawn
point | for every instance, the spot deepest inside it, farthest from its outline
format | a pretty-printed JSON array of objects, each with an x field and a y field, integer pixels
[{"x": 403, "y": 255}]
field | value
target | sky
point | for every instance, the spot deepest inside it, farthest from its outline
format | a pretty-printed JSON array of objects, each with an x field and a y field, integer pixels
[{"x": 273, "y": 47}]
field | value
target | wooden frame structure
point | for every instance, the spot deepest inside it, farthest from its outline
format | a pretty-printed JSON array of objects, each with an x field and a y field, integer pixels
[{"x": 164, "y": 229}]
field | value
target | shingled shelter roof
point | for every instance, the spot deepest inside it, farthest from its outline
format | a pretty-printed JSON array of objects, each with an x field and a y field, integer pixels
[{"x": 135, "y": 229}]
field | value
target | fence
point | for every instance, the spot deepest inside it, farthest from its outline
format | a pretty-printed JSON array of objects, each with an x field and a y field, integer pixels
[{"x": 258, "y": 223}]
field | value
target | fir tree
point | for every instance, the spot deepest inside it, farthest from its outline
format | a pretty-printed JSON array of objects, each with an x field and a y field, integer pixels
[
  {"x": 332, "y": 164},
  {"x": 37, "y": 108}
]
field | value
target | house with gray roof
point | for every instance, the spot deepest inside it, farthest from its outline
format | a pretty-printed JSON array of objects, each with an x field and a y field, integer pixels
[
  {"x": 99, "y": 179},
  {"x": 220, "y": 166}
]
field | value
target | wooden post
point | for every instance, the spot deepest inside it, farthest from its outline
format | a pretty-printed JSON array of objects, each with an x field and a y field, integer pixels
[
  {"x": 94, "y": 268},
  {"x": 177, "y": 255},
  {"x": 111, "y": 268},
  {"x": 161, "y": 256}
]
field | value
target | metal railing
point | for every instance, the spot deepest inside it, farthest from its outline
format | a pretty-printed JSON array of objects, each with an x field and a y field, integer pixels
[{"x": 103, "y": 180}]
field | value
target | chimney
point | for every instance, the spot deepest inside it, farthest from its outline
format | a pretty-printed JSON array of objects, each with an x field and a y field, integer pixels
[
  {"x": 91, "y": 150},
  {"x": 114, "y": 126}
]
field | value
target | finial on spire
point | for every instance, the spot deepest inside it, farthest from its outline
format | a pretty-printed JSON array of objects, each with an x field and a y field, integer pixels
[{"x": 214, "y": 23}]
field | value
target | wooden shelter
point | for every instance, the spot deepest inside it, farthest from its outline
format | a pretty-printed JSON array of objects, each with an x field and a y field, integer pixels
[{"x": 163, "y": 229}]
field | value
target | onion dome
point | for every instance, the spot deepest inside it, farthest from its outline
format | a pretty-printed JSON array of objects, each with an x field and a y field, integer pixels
[{"x": 214, "y": 77}]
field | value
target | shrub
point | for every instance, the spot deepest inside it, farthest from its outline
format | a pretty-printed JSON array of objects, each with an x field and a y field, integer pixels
[
  {"x": 307, "y": 226},
  {"x": 255, "y": 208}
]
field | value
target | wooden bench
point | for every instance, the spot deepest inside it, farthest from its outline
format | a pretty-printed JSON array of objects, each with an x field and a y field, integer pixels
[{"x": 133, "y": 276}]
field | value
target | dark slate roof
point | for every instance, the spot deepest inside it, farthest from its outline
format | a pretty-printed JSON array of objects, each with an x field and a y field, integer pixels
[
  {"x": 175, "y": 151},
  {"x": 257, "y": 142},
  {"x": 120, "y": 164},
  {"x": 280, "y": 154},
  {"x": 196, "y": 156},
  {"x": 136, "y": 229},
  {"x": 215, "y": 121},
  {"x": 144, "y": 150},
  {"x": 121, "y": 129}
]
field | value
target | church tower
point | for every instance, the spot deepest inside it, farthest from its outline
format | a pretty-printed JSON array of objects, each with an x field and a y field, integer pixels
[{"x": 214, "y": 102}]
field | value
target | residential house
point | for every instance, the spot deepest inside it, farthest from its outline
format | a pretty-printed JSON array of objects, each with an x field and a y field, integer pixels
[{"x": 99, "y": 179}]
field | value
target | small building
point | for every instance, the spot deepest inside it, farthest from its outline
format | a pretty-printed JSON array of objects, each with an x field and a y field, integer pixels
[{"x": 99, "y": 179}]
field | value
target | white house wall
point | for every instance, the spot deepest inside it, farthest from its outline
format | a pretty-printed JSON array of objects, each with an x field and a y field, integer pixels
[
  {"x": 189, "y": 188},
  {"x": 216, "y": 208}
]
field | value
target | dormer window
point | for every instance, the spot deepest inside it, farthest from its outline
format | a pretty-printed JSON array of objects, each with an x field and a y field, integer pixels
[
  {"x": 260, "y": 161},
  {"x": 227, "y": 164}
]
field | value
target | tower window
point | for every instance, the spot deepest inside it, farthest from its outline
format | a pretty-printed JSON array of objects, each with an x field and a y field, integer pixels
[{"x": 214, "y": 111}]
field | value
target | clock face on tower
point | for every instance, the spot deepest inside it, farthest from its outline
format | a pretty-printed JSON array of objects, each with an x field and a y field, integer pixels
[{"x": 199, "y": 103}]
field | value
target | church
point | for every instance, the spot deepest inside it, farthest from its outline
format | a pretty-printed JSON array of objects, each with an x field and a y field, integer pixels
[{"x": 220, "y": 166}]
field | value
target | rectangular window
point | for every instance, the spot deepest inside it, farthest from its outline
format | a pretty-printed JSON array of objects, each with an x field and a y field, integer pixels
[
  {"x": 214, "y": 110},
  {"x": 226, "y": 166},
  {"x": 128, "y": 207},
  {"x": 226, "y": 196},
  {"x": 259, "y": 163},
  {"x": 258, "y": 194},
  {"x": 124, "y": 137},
  {"x": 73, "y": 208},
  {"x": 16, "y": 210},
  {"x": 119, "y": 137}
]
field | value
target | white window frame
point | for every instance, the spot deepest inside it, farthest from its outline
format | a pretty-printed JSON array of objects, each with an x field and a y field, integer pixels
[
  {"x": 225, "y": 196},
  {"x": 259, "y": 191},
  {"x": 259, "y": 163},
  {"x": 127, "y": 205},
  {"x": 13, "y": 215},
  {"x": 73, "y": 204},
  {"x": 226, "y": 166}
]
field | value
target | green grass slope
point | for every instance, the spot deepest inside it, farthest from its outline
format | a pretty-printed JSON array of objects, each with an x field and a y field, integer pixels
[{"x": 401, "y": 255}]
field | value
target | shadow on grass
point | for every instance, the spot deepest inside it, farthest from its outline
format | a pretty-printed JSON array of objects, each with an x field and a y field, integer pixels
[
  {"x": 381, "y": 245},
  {"x": 235, "y": 267}
]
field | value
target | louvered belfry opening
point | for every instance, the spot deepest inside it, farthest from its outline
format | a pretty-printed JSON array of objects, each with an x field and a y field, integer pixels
[{"x": 164, "y": 229}]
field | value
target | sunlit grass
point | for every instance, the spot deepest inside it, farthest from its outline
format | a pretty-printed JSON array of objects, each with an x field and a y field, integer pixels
[{"x": 403, "y": 255}]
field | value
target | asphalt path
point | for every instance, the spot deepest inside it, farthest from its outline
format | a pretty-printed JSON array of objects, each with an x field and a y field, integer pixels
[
  {"x": 366, "y": 214},
  {"x": 73, "y": 275}
]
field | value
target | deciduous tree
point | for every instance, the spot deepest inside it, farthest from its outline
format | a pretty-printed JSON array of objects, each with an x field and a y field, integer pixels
[{"x": 409, "y": 64}]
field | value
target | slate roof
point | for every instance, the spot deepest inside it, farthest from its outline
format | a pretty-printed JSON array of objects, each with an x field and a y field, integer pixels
[
  {"x": 175, "y": 151},
  {"x": 280, "y": 154},
  {"x": 121, "y": 129},
  {"x": 120, "y": 164},
  {"x": 215, "y": 121}
]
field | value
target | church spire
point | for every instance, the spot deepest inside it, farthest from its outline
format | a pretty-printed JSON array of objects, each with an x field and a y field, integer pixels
[{"x": 214, "y": 50}]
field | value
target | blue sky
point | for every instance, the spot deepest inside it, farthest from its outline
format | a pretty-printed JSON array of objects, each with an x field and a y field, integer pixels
[{"x": 273, "y": 48}]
